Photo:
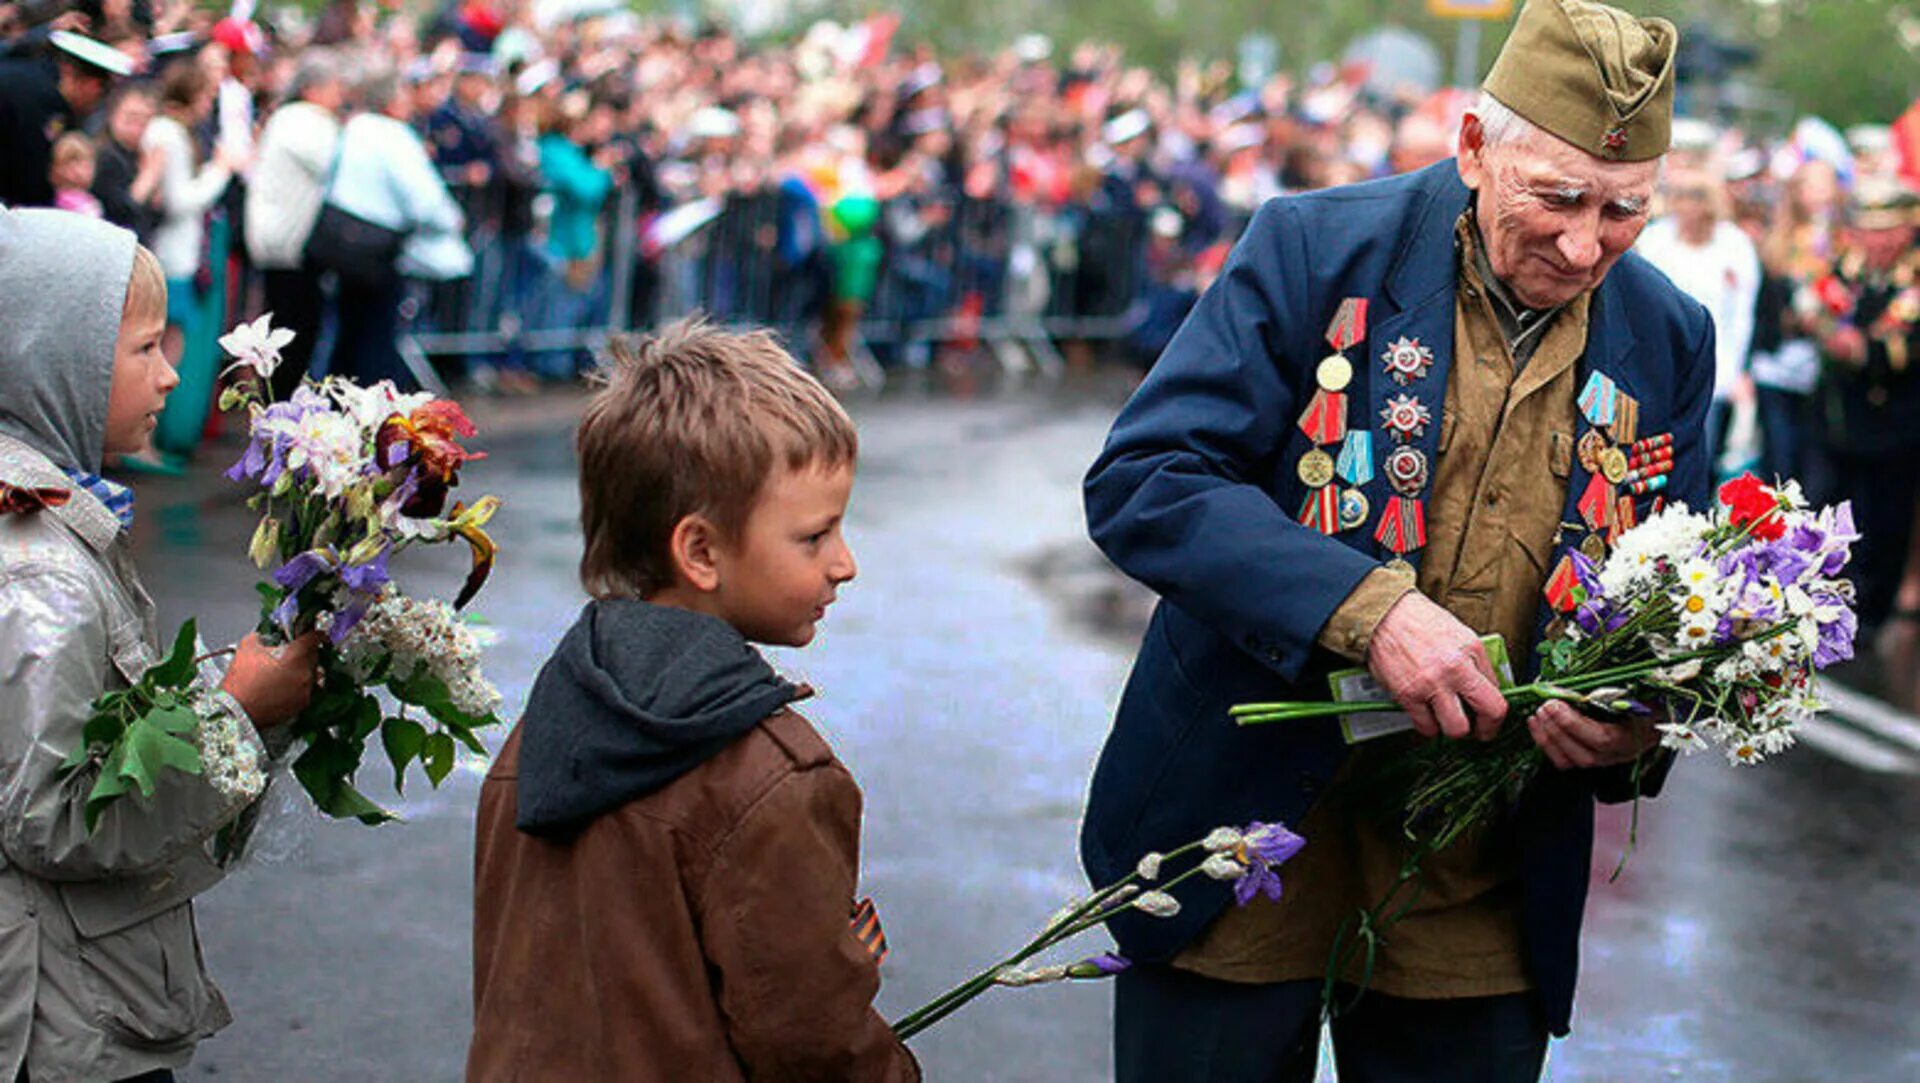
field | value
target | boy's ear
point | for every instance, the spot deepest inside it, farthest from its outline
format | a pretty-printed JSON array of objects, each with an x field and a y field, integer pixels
[{"x": 691, "y": 547}]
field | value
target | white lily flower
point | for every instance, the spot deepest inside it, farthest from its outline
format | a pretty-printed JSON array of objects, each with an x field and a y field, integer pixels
[
  {"x": 256, "y": 345},
  {"x": 1149, "y": 867}
]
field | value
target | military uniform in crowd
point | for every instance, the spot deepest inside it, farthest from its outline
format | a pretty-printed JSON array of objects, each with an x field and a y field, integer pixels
[
  {"x": 34, "y": 113},
  {"x": 460, "y": 135},
  {"x": 1361, "y": 407},
  {"x": 1865, "y": 311}
]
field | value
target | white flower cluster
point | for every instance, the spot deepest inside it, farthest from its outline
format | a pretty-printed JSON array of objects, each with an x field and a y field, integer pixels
[
  {"x": 422, "y": 635},
  {"x": 228, "y": 761},
  {"x": 1632, "y": 570},
  {"x": 1754, "y": 696}
]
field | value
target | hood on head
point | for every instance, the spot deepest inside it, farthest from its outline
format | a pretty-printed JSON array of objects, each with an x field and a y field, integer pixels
[
  {"x": 635, "y": 696},
  {"x": 63, "y": 287}
]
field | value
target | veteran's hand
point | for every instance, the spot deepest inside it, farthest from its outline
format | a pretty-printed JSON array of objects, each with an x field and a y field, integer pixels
[
  {"x": 1572, "y": 739},
  {"x": 1436, "y": 668},
  {"x": 273, "y": 684}
]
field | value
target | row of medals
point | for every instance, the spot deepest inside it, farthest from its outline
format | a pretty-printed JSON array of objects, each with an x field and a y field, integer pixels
[{"x": 1404, "y": 417}]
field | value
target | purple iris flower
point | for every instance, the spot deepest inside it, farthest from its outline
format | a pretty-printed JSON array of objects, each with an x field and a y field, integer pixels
[
  {"x": 1109, "y": 964},
  {"x": 1587, "y": 574},
  {"x": 1263, "y": 848},
  {"x": 1836, "y": 636},
  {"x": 1596, "y": 617},
  {"x": 1841, "y": 534},
  {"x": 251, "y": 463},
  {"x": 293, "y": 577},
  {"x": 1787, "y": 559},
  {"x": 345, "y": 620},
  {"x": 369, "y": 577}
]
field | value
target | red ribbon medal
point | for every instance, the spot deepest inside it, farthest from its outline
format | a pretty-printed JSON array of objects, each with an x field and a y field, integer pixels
[
  {"x": 1325, "y": 421},
  {"x": 1403, "y": 526},
  {"x": 1322, "y": 510},
  {"x": 1563, "y": 586},
  {"x": 1349, "y": 324},
  {"x": 1596, "y": 504}
]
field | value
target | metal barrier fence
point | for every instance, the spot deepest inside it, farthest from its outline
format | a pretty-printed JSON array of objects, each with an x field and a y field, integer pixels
[{"x": 951, "y": 271}]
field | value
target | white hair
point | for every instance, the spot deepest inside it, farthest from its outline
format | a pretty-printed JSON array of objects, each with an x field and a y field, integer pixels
[{"x": 1500, "y": 125}]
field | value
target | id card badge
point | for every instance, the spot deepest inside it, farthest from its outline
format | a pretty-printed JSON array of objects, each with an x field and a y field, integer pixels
[{"x": 1357, "y": 685}]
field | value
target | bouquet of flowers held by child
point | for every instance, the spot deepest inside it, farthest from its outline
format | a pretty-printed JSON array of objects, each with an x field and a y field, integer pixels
[
  {"x": 1710, "y": 626},
  {"x": 347, "y": 477}
]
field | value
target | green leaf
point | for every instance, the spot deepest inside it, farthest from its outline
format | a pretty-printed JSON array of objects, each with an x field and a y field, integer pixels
[
  {"x": 437, "y": 758},
  {"x": 430, "y": 693},
  {"x": 366, "y": 718},
  {"x": 107, "y": 788},
  {"x": 177, "y": 670},
  {"x": 349, "y": 802},
  {"x": 404, "y": 739},
  {"x": 175, "y": 718},
  {"x": 161, "y": 749},
  {"x": 104, "y": 728},
  {"x": 465, "y": 736}
]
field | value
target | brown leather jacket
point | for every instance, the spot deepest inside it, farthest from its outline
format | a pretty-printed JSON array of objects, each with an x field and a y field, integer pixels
[{"x": 696, "y": 935}]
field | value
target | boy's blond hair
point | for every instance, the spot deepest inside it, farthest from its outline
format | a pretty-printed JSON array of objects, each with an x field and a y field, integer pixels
[
  {"x": 692, "y": 420},
  {"x": 146, "y": 287}
]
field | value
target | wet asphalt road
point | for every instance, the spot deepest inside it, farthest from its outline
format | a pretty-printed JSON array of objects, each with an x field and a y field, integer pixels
[{"x": 1764, "y": 931}]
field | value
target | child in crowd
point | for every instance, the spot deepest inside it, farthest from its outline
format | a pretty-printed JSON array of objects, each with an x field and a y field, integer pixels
[
  {"x": 72, "y": 175},
  {"x": 667, "y": 851},
  {"x": 99, "y": 960}
]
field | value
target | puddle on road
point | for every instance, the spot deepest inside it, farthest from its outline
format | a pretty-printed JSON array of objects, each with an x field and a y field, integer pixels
[{"x": 1093, "y": 594}]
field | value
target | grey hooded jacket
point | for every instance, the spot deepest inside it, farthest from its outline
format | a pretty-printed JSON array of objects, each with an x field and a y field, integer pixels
[{"x": 100, "y": 970}]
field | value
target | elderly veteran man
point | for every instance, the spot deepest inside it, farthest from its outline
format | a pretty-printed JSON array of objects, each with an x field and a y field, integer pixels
[{"x": 1377, "y": 438}]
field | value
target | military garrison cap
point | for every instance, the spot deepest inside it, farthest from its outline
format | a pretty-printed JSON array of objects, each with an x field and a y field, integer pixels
[{"x": 1593, "y": 75}]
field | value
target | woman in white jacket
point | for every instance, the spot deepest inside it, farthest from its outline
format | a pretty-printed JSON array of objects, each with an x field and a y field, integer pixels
[
  {"x": 283, "y": 201},
  {"x": 384, "y": 176},
  {"x": 187, "y": 193}
]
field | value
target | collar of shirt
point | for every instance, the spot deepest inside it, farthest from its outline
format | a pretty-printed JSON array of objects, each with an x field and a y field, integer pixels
[
  {"x": 1521, "y": 326},
  {"x": 117, "y": 498}
]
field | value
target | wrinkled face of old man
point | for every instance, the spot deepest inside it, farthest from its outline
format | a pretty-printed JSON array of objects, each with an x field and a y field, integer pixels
[{"x": 1554, "y": 218}]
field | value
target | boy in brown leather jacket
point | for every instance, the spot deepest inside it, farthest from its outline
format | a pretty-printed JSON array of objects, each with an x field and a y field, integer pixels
[{"x": 667, "y": 852}]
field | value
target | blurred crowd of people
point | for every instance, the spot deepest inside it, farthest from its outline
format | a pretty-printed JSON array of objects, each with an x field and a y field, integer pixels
[{"x": 834, "y": 181}]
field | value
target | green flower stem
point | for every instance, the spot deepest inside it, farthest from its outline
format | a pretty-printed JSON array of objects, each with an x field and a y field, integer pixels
[
  {"x": 1094, "y": 911},
  {"x": 1563, "y": 687}
]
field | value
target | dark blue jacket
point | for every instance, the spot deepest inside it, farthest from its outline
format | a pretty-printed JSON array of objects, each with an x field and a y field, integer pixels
[{"x": 1196, "y": 494}]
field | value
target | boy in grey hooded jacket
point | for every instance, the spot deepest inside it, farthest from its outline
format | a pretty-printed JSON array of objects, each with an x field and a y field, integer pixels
[{"x": 100, "y": 969}]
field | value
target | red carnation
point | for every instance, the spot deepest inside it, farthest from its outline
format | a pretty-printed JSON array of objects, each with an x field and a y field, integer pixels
[{"x": 1752, "y": 501}]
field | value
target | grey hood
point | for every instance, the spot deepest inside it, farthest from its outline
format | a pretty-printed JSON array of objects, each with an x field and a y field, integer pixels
[
  {"x": 635, "y": 696},
  {"x": 63, "y": 286}
]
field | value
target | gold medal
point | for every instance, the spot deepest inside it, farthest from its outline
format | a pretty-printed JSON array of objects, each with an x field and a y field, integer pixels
[
  {"x": 1316, "y": 468},
  {"x": 1595, "y": 547},
  {"x": 1334, "y": 374},
  {"x": 1613, "y": 464}
]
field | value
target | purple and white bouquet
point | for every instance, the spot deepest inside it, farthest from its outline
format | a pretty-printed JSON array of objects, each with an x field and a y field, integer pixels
[
  {"x": 1711, "y": 625},
  {"x": 346, "y": 478},
  {"x": 1245, "y": 857}
]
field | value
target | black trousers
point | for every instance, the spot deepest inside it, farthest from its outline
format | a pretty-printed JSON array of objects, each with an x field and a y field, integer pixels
[
  {"x": 296, "y": 301},
  {"x": 1171, "y": 1026}
]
